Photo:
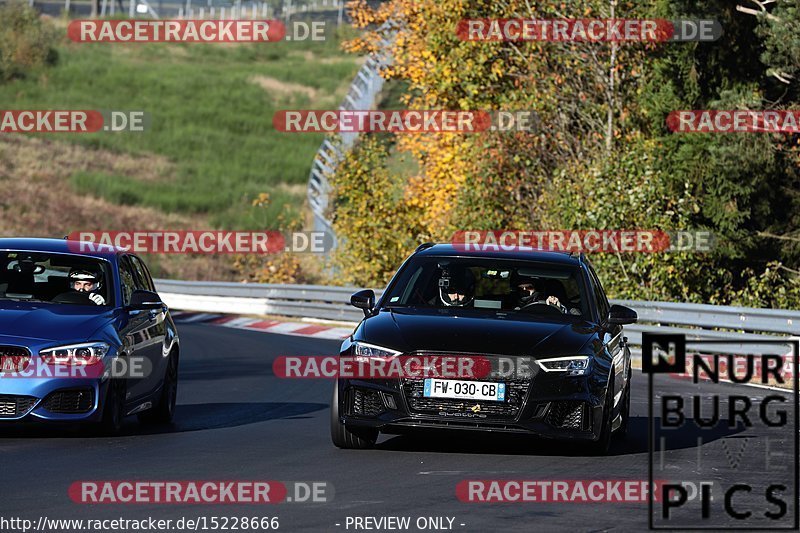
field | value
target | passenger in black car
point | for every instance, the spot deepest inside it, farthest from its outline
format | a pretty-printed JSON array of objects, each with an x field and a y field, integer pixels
[{"x": 456, "y": 286}]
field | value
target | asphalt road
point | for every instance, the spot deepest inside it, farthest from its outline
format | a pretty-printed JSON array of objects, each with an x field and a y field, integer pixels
[{"x": 235, "y": 420}]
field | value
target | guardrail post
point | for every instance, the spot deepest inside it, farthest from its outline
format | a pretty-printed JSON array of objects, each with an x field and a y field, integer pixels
[{"x": 362, "y": 94}]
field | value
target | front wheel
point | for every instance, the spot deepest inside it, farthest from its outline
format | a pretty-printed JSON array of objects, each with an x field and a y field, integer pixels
[
  {"x": 164, "y": 410},
  {"x": 113, "y": 409},
  {"x": 603, "y": 444},
  {"x": 625, "y": 410},
  {"x": 342, "y": 437}
]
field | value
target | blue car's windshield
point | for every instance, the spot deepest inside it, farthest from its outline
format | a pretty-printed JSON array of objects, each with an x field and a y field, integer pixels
[
  {"x": 55, "y": 278},
  {"x": 490, "y": 285}
]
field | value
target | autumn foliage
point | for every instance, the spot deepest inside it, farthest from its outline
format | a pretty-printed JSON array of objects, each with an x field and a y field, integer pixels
[{"x": 599, "y": 157}]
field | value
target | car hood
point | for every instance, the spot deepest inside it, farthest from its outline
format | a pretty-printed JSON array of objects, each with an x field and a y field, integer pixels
[
  {"x": 50, "y": 322},
  {"x": 409, "y": 330}
]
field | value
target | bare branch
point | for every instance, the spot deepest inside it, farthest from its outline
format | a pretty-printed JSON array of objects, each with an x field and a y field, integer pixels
[
  {"x": 755, "y": 12},
  {"x": 787, "y": 269},
  {"x": 780, "y": 76},
  {"x": 778, "y": 237}
]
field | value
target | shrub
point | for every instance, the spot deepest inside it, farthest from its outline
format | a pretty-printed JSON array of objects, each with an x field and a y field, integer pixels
[{"x": 27, "y": 41}]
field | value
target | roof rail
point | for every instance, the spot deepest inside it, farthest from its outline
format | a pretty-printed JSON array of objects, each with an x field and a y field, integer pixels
[{"x": 424, "y": 246}]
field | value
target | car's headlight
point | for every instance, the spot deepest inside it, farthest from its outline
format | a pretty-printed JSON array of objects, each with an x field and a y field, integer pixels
[
  {"x": 84, "y": 354},
  {"x": 575, "y": 365},
  {"x": 363, "y": 349}
]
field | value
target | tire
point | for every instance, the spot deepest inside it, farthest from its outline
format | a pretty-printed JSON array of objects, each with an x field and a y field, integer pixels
[
  {"x": 625, "y": 412},
  {"x": 603, "y": 444},
  {"x": 164, "y": 410},
  {"x": 342, "y": 437},
  {"x": 113, "y": 409}
]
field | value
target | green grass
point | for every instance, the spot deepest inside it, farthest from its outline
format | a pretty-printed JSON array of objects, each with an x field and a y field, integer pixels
[
  {"x": 399, "y": 164},
  {"x": 207, "y": 117}
]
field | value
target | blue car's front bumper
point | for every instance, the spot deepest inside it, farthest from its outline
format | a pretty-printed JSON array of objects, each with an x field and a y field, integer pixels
[
  {"x": 47, "y": 393},
  {"x": 51, "y": 399}
]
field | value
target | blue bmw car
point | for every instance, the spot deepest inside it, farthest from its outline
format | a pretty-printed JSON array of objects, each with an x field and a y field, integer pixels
[{"x": 84, "y": 337}]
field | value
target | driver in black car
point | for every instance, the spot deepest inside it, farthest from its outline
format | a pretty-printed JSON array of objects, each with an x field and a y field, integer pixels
[{"x": 86, "y": 281}]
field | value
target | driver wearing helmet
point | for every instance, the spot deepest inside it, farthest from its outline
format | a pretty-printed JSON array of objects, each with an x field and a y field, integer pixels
[
  {"x": 456, "y": 286},
  {"x": 83, "y": 280}
]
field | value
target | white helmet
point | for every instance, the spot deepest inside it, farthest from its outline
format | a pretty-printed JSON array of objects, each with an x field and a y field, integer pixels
[{"x": 82, "y": 274}]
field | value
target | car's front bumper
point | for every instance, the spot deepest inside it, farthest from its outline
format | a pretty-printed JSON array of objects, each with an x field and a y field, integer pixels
[
  {"x": 547, "y": 405},
  {"x": 50, "y": 399}
]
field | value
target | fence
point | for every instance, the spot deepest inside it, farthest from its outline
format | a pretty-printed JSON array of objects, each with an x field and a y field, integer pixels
[
  {"x": 696, "y": 321},
  {"x": 362, "y": 95}
]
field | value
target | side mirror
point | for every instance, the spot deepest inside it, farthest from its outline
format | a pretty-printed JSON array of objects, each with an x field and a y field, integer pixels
[
  {"x": 364, "y": 300},
  {"x": 145, "y": 300},
  {"x": 619, "y": 314}
]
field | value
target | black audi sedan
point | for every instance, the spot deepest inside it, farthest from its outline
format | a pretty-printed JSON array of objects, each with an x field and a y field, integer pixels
[{"x": 546, "y": 309}]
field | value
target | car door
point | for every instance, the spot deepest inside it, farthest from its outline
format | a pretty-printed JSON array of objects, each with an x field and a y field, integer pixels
[
  {"x": 612, "y": 336},
  {"x": 145, "y": 332}
]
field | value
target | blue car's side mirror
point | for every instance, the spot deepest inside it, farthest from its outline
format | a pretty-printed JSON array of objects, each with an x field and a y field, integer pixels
[{"x": 145, "y": 300}]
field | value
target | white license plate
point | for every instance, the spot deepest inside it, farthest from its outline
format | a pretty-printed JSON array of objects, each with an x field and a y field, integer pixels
[{"x": 468, "y": 390}]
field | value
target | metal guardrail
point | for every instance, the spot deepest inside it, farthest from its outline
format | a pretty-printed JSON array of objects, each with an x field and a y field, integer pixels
[
  {"x": 311, "y": 301},
  {"x": 726, "y": 324},
  {"x": 696, "y": 321},
  {"x": 362, "y": 96}
]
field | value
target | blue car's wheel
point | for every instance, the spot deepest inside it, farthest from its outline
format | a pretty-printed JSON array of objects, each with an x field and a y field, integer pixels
[
  {"x": 164, "y": 410},
  {"x": 113, "y": 408}
]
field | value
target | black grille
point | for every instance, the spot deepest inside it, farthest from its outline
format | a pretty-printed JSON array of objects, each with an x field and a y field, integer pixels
[
  {"x": 14, "y": 359},
  {"x": 14, "y": 406},
  {"x": 365, "y": 402},
  {"x": 568, "y": 415},
  {"x": 515, "y": 396},
  {"x": 69, "y": 401}
]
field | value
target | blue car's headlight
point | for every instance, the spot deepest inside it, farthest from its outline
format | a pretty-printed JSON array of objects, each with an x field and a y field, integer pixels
[
  {"x": 575, "y": 365},
  {"x": 370, "y": 350},
  {"x": 83, "y": 354}
]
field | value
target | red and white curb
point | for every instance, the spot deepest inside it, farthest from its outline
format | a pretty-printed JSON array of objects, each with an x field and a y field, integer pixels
[{"x": 263, "y": 325}]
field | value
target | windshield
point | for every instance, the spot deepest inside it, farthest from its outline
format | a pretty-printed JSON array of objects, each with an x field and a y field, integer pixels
[
  {"x": 54, "y": 278},
  {"x": 493, "y": 285}
]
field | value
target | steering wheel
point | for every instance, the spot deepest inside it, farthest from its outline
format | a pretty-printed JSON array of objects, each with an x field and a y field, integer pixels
[
  {"x": 541, "y": 302},
  {"x": 73, "y": 297}
]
